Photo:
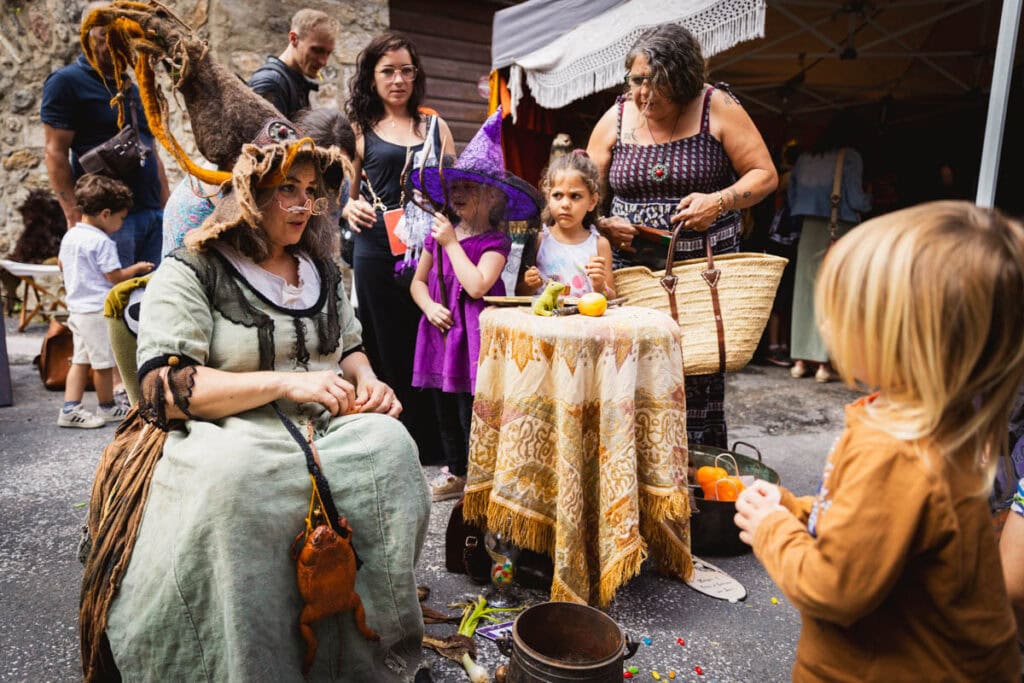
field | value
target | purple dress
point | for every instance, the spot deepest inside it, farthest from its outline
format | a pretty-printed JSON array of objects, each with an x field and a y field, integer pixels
[{"x": 448, "y": 362}]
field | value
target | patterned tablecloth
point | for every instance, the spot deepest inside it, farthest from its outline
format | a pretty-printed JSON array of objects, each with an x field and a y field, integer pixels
[{"x": 578, "y": 444}]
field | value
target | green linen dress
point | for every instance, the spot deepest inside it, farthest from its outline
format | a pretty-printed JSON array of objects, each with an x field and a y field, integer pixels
[{"x": 210, "y": 592}]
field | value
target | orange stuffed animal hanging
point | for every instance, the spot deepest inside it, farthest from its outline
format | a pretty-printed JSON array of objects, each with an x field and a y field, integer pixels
[{"x": 325, "y": 567}]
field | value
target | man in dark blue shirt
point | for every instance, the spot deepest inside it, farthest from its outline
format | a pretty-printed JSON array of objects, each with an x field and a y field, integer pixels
[
  {"x": 286, "y": 81},
  {"x": 77, "y": 116}
]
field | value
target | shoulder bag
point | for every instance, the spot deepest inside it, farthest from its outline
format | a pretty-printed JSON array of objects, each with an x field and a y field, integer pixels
[
  {"x": 835, "y": 198},
  {"x": 121, "y": 156},
  {"x": 721, "y": 303},
  {"x": 54, "y": 359},
  {"x": 464, "y": 551}
]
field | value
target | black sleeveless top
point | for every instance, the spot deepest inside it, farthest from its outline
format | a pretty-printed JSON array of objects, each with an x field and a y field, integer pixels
[{"x": 383, "y": 162}]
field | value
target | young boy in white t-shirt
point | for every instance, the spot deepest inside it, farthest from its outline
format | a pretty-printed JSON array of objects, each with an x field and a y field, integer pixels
[{"x": 89, "y": 261}]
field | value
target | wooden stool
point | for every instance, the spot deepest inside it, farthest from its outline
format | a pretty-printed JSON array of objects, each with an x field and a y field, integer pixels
[{"x": 47, "y": 300}]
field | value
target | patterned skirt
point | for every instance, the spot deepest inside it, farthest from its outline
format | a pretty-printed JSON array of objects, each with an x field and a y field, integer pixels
[{"x": 705, "y": 394}]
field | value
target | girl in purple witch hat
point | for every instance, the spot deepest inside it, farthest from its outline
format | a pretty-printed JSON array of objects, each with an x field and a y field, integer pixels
[{"x": 472, "y": 255}]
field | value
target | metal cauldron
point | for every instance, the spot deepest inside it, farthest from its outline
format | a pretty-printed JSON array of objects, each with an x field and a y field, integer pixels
[
  {"x": 559, "y": 642},
  {"x": 712, "y": 529}
]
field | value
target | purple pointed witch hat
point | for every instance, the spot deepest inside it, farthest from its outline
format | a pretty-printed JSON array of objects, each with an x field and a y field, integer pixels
[{"x": 483, "y": 161}]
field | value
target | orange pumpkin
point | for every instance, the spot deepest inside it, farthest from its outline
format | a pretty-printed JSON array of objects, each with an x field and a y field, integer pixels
[
  {"x": 728, "y": 488},
  {"x": 708, "y": 474},
  {"x": 725, "y": 489}
]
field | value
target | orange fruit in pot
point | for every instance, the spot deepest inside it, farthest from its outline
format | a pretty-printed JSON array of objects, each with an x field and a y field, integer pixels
[
  {"x": 728, "y": 489},
  {"x": 707, "y": 474},
  {"x": 593, "y": 304}
]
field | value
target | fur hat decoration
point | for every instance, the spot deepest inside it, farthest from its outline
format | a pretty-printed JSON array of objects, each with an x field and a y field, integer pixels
[{"x": 266, "y": 166}]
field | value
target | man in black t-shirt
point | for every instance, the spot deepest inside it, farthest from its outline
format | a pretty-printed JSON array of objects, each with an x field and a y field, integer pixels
[
  {"x": 286, "y": 81},
  {"x": 77, "y": 116}
]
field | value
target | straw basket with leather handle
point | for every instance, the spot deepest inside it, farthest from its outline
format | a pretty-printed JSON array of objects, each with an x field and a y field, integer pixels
[{"x": 721, "y": 302}]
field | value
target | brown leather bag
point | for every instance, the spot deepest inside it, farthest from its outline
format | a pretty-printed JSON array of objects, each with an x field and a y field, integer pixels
[
  {"x": 464, "y": 551},
  {"x": 54, "y": 359},
  {"x": 122, "y": 156}
]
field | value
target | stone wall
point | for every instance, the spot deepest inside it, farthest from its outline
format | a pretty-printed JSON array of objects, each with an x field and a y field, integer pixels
[{"x": 40, "y": 36}]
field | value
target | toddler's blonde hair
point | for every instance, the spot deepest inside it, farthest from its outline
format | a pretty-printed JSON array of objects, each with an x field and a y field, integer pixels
[{"x": 927, "y": 305}]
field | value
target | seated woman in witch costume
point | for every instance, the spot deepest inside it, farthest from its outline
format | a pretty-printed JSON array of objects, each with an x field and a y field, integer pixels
[
  {"x": 251, "y": 317},
  {"x": 250, "y": 363}
]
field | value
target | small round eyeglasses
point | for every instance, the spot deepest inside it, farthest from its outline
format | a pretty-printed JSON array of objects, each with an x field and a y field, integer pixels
[
  {"x": 316, "y": 207},
  {"x": 635, "y": 81},
  {"x": 406, "y": 73}
]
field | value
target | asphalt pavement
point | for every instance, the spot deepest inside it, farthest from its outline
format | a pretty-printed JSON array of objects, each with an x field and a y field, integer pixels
[{"x": 46, "y": 474}]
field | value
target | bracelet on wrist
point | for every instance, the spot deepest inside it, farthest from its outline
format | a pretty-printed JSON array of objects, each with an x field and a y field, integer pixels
[{"x": 721, "y": 205}]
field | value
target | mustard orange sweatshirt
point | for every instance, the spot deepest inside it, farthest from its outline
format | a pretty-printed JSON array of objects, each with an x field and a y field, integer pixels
[{"x": 894, "y": 569}]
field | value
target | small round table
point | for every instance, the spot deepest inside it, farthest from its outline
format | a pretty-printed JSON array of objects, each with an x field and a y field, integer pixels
[
  {"x": 578, "y": 444},
  {"x": 48, "y": 290}
]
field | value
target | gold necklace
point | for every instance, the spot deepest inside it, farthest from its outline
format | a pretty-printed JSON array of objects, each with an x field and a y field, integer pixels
[{"x": 393, "y": 123}]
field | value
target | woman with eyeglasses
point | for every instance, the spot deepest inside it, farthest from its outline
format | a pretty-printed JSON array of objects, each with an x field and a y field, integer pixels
[
  {"x": 673, "y": 150},
  {"x": 247, "y": 348},
  {"x": 385, "y": 95}
]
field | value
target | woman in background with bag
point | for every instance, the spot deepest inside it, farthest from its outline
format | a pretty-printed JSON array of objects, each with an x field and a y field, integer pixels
[
  {"x": 677, "y": 150},
  {"x": 824, "y": 189},
  {"x": 386, "y": 91}
]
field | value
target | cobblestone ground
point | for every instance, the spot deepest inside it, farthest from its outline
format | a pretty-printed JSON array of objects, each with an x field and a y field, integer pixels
[{"x": 46, "y": 472}]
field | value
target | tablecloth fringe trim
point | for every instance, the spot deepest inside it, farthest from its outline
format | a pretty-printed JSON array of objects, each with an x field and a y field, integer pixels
[
  {"x": 658, "y": 507},
  {"x": 560, "y": 592},
  {"x": 621, "y": 571},
  {"x": 671, "y": 554},
  {"x": 532, "y": 534}
]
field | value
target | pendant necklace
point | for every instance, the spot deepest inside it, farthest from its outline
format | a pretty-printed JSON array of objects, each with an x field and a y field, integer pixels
[{"x": 658, "y": 171}]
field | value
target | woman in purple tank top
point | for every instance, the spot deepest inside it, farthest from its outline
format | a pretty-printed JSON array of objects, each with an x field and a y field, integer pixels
[{"x": 675, "y": 150}]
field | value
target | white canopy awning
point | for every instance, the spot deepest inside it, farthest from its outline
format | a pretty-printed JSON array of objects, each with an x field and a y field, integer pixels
[
  {"x": 589, "y": 58},
  {"x": 531, "y": 25}
]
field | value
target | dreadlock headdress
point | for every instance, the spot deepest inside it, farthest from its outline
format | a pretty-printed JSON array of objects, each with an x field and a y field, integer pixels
[{"x": 225, "y": 114}]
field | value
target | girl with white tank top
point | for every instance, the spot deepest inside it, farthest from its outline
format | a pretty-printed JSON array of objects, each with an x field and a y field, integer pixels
[
  {"x": 566, "y": 263},
  {"x": 571, "y": 251}
]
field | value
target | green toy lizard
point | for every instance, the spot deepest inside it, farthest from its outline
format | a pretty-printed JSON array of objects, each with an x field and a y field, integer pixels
[{"x": 548, "y": 300}]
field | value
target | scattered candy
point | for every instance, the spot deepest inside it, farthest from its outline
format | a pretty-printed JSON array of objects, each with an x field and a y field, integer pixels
[
  {"x": 680, "y": 641},
  {"x": 698, "y": 670},
  {"x": 634, "y": 669},
  {"x": 655, "y": 675},
  {"x": 501, "y": 574},
  {"x": 775, "y": 601},
  {"x": 647, "y": 640},
  {"x": 671, "y": 674},
  {"x": 627, "y": 674}
]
